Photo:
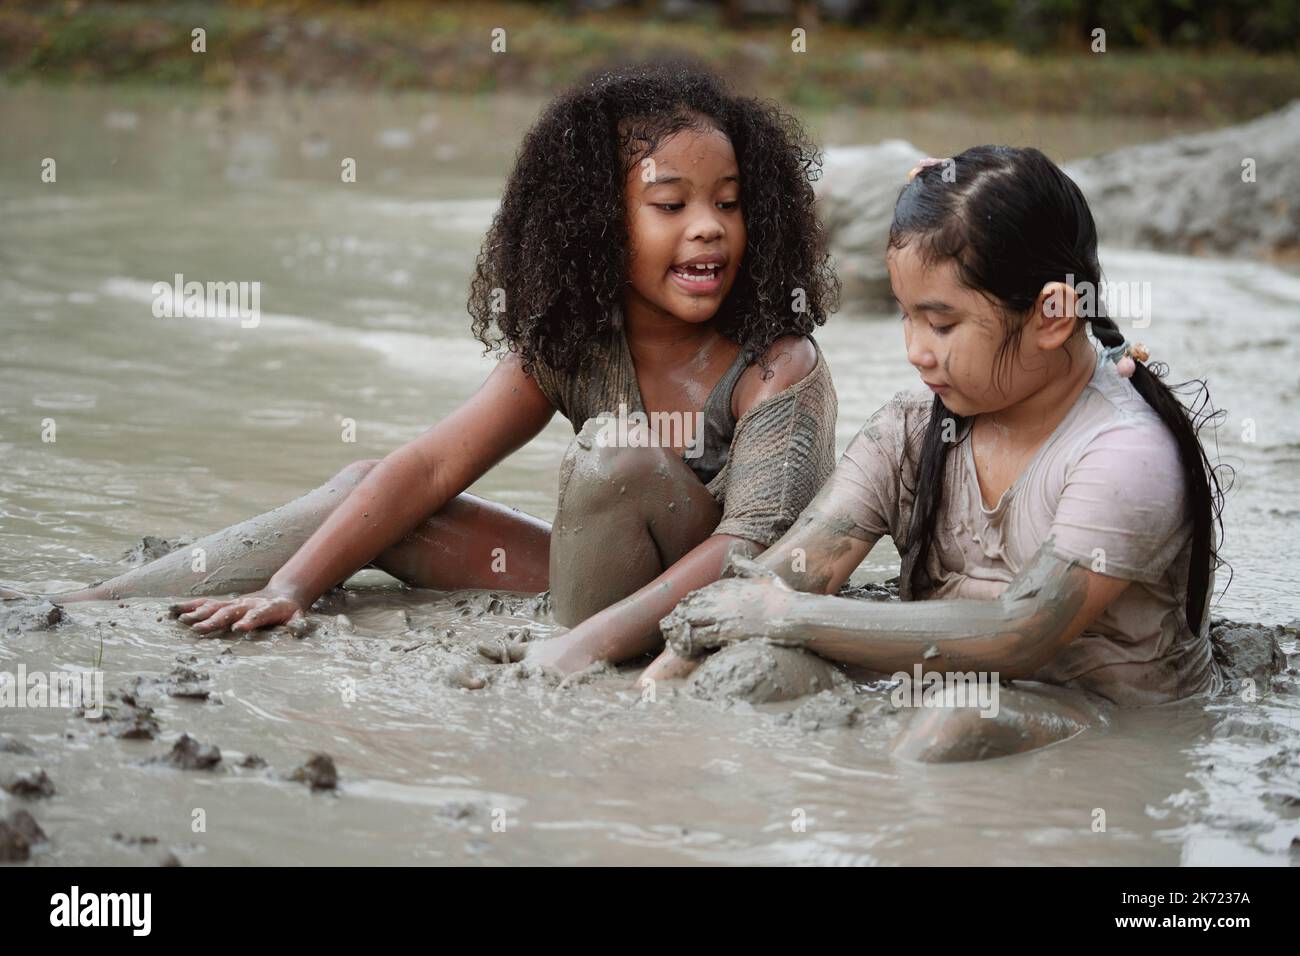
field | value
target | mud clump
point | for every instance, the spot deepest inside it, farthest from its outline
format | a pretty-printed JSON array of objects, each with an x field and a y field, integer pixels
[
  {"x": 825, "y": 711},
  {"x": 26, "y": 824},
  {"x": 252, "y": 762},
  {"x": 25, "y": 616},
  {"x": 481, "y": 604},
  {"x": 34, "y": 786},
  {"x": 758, "y": 672},
  {"x": 300, "y": 627},
  {"x": 318, "y": 772},
  {"x": 1247, "y": 652},
  {"x": 181, "y": 682},
  {"x": 189, "y": 754},
  {"x": 588, "y": 675},
  {"x": 133, "y": 720},
  {"x": 186, "y": 683},
  {"x": 18, "y": 834},
  {"x": 10, "y": 746},
  {"x": 14, "y": 848}
]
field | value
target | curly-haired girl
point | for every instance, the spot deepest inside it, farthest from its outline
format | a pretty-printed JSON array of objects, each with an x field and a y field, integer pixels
[
  {"x": 1051, "y": 499},
  {"x": 655, "y": 254}
]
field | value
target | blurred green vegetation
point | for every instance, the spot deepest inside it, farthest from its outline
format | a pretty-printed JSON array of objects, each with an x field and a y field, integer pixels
[
  {"x": 1219, "y": 62},
  {"x": 1264, "y": 25}
]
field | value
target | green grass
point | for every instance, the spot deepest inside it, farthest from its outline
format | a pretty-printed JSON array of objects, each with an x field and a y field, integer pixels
[{"x": 407, "y": 45}]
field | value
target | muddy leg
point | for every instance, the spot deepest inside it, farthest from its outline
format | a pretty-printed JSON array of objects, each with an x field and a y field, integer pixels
[
  {"x": 624, "y": 515},
  {"x": 473, "y": 543},
  {"x": 240, "y": 558},
  {"x": 470, "y": 543},
  {"x": 1029, "y": 715}
]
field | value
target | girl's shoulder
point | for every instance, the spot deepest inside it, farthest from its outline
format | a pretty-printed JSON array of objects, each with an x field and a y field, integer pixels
[
  {"x": 899, "y": 425},
  {"x": 604, "y": 374},
  {"x": 908, "y": 411},
  {"x": 791, "y": 359},
  {"x": 1113, "y": 412},
  {"x": 1114, "y": 399},
  {"x": 1117, "y": 439}
]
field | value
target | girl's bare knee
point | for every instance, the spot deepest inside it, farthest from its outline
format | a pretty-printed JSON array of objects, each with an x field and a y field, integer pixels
[{"x": 606, "y": 467}]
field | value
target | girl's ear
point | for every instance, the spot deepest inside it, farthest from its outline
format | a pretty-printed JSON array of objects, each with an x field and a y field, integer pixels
[{"x": 1055, "y": 315}]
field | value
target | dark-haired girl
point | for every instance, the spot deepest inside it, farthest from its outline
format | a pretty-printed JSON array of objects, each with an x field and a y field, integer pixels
[
  {"x": 1051, "y": 499},
  {"x": 655, "y": 251}
]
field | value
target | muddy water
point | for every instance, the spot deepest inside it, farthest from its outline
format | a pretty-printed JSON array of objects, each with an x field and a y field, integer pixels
[{"x": 179, "y": 426}]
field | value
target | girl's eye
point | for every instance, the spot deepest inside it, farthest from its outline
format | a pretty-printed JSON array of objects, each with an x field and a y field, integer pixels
[
  {"x": 942, "y": 329},
  {"x": 674, "y": 206}
]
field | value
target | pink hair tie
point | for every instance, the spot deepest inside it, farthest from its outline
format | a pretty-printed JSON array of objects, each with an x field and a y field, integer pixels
[
  {"x": 1126, "y": 357},
  {"x": 925, "y": 163}
]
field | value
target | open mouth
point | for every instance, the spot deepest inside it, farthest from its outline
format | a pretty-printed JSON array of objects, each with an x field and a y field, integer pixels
[{"x": 701, "y": 272}]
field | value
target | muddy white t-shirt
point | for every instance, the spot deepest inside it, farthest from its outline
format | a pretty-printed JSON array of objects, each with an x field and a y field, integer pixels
[{"x": 1107, "y": 486}]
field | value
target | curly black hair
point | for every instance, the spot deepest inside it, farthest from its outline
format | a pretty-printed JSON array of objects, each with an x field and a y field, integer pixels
[{"x": 554, "y": 262}]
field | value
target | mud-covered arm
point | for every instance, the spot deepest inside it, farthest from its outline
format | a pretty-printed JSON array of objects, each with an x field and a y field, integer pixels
[
  {"x": 837, "y": 529},
  {"x": 630, "y": 627},
  {"x": 819, "y": 552},
  {"x": 409, "y": 484},
  {"x": 1047, "y": 605},
  {"x": 822, "y": 548},
  {"x": 856, "y": 507},
  {"x": 814, "y": 555},
  {"x": 848, "y": 515}
]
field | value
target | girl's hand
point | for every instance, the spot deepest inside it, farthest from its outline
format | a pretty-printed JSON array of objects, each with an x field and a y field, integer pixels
[
  {"x": 561, "y": 653},
  {"x": 727, "y": 611},
  {"x": 265, "y": 608}
]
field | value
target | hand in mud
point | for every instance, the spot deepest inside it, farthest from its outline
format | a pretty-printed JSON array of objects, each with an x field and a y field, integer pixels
[
  {"x": 728, "y": 610},
  {"x": 509, "y": 649},
  {"x": 561, "y": 653},
  {"x": 264, "y": 608}
]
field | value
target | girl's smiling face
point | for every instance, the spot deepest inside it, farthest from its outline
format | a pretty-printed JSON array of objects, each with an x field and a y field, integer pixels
[
  {"x": 954, "y": 335},
  {"x": 685, "y": 228}
]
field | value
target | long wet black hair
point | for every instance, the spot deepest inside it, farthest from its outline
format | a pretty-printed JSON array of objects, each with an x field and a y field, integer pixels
[
  {"x": 557, "y": 249},
  {"x": 1012, "y": 222}
]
